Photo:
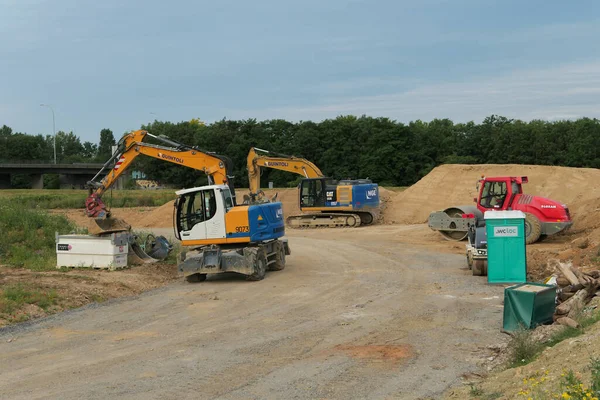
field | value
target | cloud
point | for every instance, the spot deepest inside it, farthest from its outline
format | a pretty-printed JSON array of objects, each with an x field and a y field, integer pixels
[{"x": 568, "y": 91}]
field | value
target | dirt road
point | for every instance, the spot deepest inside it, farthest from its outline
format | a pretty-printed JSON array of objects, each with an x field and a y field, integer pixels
[{"x": 352, "y": 316}]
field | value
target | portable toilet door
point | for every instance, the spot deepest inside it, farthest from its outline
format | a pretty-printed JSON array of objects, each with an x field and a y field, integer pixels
[{"x": 506, "y": 249}]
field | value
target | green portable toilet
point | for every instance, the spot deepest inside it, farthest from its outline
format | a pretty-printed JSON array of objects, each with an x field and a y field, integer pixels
[
  {"x": 507, "y": 258},
  {"x": 528, "y": 305}
]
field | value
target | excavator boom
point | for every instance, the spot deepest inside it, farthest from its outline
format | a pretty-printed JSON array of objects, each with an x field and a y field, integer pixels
[
  {"x": 255, "y": 162},
  {"x": 131, "y": 146}
]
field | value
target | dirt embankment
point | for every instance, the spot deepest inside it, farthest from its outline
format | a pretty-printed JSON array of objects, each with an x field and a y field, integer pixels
[
  {"x": 81, "y": 286},
  {"x": 452, "y": 185}
]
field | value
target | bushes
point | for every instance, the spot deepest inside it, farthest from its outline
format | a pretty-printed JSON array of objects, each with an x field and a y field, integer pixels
[{"x": 29, "y": 236}]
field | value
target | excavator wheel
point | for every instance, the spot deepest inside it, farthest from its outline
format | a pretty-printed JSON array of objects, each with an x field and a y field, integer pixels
[
  {"x": 351, "y": 221},
  {"x": 480, "y": 268},
  {"x": 533, "y": 228},
  {"x": 260, "y": 267},
  {"x": 279, "y": 263},
  {"x": 366, "y": 218}
]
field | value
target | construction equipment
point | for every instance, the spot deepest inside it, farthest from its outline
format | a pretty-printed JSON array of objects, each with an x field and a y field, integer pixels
[
  {"x": 219, "y": 235},
  {"x": 544, "y": 217},
  {"x": 324, "y": 202},
  {"x": 477, "y": 248}
]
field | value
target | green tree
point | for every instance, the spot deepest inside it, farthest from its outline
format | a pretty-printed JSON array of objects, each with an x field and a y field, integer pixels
[
  {"x": 90, "y": 150},
  {"x": 107, "y": 140}
]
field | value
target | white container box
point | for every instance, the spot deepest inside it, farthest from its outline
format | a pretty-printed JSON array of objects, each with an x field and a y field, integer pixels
[{"x": 86, "y": 251}]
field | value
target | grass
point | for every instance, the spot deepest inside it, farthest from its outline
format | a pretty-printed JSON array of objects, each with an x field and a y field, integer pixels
[
  {"x": 524, "y": 349},
  {"x": 60, "y": 199},
  {"x": 570, "y": 386},
  {"x": 478, "y": 393},
  {"x": 14, "y": 297},
  {"x": 28, "y": 236}
]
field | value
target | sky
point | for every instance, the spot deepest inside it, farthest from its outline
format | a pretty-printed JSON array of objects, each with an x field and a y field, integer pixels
[{"x": 119, "y": 64}]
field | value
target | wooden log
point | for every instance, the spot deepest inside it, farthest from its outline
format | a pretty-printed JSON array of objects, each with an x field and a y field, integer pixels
[
  {"x": 593, "y": 274},
  {"x": 566, "y": 271},
  {"x": 566, "y": 321},
  {"x": 562, "y": 281},
  {"x": 573, "y": 288},
  {"x": 574, "y": 303},
  {"x": 583, "y": 279},
  {"x": 564, "y": 296},
  {"x": 577, "y": 303}
]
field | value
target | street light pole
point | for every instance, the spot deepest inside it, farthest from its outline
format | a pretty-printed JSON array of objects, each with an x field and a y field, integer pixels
[{"x": 53, "y": 128}]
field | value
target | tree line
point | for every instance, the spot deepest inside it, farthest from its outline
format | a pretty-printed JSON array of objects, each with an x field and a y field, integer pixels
[{"x": 387, "y": 151}]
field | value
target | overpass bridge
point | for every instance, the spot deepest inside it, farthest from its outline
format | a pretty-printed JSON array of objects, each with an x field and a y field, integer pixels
[{"x": 75, "y": 174}]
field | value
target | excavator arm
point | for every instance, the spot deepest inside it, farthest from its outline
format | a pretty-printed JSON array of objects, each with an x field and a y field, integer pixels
[
  {"x": 132, "y": 145},
  {"x": 281, "y": 162}
]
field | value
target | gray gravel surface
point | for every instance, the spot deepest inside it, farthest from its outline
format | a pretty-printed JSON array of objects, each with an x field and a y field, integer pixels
[{"x": 351, "y": 317}]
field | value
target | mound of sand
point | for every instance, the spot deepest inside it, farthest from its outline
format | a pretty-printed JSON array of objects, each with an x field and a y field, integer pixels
[{"x": 454, "y": 185}]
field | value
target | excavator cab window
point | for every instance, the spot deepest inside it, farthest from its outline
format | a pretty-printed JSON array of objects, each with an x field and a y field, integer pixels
[
  {"x": 227, "y": 199},
  {"x": 493, "y": 194},
  {"x": 312, "y": 193},
  {"x": 195, "y": 207}
]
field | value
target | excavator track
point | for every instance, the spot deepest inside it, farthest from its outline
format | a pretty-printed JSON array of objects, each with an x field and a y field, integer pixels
[{"x": 324, "y": 220}]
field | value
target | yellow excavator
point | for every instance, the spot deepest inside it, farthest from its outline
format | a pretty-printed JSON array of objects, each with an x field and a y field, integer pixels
[
  {"x": 220, "y": 235},
  {"x": 323, "y": 202}
]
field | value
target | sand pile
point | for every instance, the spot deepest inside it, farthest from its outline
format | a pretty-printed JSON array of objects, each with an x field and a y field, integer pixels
[
  {"x": 161, "y": 217},
  {"x": 450, "y": 185}
]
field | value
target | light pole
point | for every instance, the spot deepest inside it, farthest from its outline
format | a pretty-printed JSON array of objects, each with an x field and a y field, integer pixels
[{"x": 53, "y": 128}]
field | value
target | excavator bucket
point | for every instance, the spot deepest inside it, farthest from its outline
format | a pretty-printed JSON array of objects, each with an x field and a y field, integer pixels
[{"x": 109, "y": 225}]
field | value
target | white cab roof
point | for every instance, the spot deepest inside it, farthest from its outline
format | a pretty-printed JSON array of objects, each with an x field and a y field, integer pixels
[
  {"x": 512, "y": 214},
  {"x": 195, "y": 189}
]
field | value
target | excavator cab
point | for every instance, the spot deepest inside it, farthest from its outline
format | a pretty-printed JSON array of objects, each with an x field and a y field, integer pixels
[
  {"x": 200, "y": 213},
  {"x": 312, "y": 192}
]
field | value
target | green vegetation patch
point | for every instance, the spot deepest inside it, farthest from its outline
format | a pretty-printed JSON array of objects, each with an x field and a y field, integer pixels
[
  {"x": 29, "y": 236},
  {"x": 49, "y": 199},
  {"x": 14, "y": 297}
]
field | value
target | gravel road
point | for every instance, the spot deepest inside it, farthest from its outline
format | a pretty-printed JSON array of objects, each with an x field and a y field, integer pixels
[{"x": 352, "y": 316}]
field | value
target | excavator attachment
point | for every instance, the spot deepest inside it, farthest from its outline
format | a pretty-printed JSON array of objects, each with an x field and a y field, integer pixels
[{"x": 109, "y": 225}]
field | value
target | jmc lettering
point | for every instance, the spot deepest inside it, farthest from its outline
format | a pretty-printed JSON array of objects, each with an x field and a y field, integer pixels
[{"x": 506, "y": 231}]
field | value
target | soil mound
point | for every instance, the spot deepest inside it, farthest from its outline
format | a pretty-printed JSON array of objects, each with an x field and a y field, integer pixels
[{"x": 453, "y": 185}]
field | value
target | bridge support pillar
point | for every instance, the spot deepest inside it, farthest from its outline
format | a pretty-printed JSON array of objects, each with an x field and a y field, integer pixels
[
  {"x": 72, "y": 181},
  {"x": 4, "y": 181},
  {"x": 37, "y": 181}
]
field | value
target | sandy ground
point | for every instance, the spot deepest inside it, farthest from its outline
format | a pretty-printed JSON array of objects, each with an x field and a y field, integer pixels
[
  {"x": 349, "y": 317},
  {"x": 386, "y": 311}
]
